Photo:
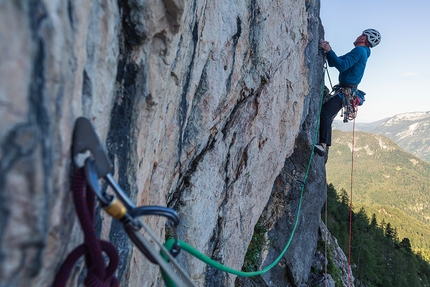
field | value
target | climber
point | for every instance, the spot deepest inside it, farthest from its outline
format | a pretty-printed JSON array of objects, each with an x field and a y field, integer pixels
[{"x": 351, "y": 69}]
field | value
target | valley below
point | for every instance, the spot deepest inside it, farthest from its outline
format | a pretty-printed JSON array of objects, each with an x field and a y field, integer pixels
[{"x": 387, "y": 179}]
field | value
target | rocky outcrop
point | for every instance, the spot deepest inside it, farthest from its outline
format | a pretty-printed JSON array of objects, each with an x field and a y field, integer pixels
[
  {"x": 329, "y": 258},
  {"x": 208, "y": 107}
]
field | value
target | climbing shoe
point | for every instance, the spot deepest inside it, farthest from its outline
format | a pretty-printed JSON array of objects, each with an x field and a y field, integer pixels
[{"x": 320, "y": 150}]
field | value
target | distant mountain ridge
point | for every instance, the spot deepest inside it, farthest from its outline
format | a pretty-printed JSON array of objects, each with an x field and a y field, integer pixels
[{"x": 411, "y": 131}]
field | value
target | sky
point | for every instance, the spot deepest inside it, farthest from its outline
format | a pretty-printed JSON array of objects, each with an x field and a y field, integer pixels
[{"x": 397, "y": 76}]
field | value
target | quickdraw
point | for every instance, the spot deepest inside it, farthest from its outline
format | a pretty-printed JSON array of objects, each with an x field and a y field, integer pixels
[{"x": 93, "y": 164}]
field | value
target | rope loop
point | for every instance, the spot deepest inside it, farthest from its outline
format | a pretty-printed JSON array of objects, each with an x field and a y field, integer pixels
[{"x": 99, "y": 274}]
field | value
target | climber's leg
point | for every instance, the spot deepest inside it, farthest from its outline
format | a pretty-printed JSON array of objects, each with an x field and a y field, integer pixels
[{"x": 328, "y": 112}]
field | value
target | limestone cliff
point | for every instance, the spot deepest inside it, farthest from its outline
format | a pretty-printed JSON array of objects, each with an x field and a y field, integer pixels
[{"x": 208, "y": 107}]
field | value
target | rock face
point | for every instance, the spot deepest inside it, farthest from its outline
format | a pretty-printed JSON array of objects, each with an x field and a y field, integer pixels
[
  {"x": 208, "y": 107},
  {"x": 329, "y": 255}
]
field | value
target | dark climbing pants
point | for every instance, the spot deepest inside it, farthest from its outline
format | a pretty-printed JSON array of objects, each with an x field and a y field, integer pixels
[{"x": 328, "y": 112}]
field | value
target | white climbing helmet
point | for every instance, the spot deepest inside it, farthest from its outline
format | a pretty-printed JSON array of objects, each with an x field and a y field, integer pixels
[{"x": 373, "y": 36}]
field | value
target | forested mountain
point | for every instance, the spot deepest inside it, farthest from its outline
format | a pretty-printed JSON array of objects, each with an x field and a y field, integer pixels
[
  {"x": 411, "y": 131},
  {"x": 378, "y": 256},
  {"x": 387, "y": 181}
]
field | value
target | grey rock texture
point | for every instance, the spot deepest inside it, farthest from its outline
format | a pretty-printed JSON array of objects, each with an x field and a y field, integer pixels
[
  {"x": 328, "y": 244},
  {"x": 203, "y": 106}
]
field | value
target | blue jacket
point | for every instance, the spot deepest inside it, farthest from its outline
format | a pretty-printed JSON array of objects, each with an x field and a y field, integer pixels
[{"x": 351, "y": 65}]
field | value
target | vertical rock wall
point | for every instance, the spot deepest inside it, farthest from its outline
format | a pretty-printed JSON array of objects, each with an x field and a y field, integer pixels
[{"x": 201, "y": 105}]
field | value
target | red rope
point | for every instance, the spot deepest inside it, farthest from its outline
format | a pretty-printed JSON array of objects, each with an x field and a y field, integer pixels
[
  {"x": 326, "y": 240},
  {"x": 98, "y": 274},
  {"x": 350, "y": 206}
]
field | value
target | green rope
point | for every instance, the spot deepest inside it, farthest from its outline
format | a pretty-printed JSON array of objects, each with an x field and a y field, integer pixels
[{"x": 191, "y": 250}]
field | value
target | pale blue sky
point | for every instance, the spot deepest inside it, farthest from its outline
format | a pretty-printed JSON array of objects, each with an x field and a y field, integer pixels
[{"x": 397, "y": 77}]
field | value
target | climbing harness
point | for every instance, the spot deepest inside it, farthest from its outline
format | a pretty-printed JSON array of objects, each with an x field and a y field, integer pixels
[{"x": 351, "y": 99}]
